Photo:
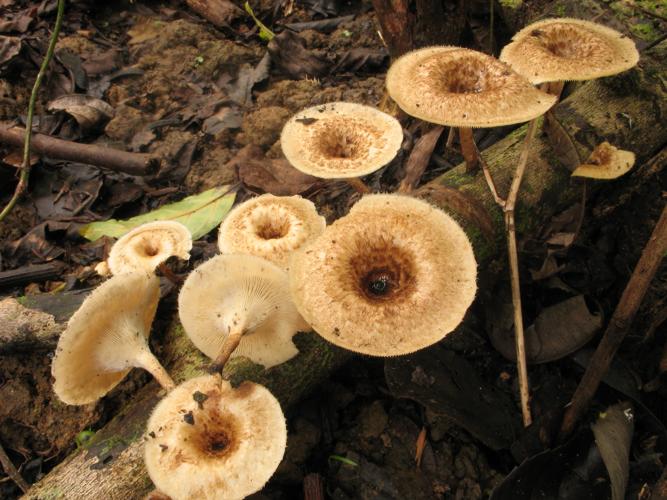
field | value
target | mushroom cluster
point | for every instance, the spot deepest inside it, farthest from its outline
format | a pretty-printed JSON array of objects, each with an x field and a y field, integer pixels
[{"x": 393, "y": 276}]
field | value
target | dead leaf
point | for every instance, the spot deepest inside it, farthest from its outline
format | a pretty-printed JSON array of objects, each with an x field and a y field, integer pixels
[
  {"x": 74, "y": 65},
  {"x": 558, "y": 330},
  {"x": 613, "y": 435},
  {"x": 361, "y": 59},
  {"x": 18, "y": 22},
  {"x": 447, "y": 384},
  {"x": 274, "y": 176},
  {"x": 10, "y": 46},
  {"x": 104, "y": 62},
  {"x": 220, "y": 13},
  {"x": 89, "y": 112},
  {"x": 239, "y": 89},
  {"x": 35, "y": 246},
  {"x": 64, "y": 194},
  {"x": 290, "y": 55},
  {"x": 321, "y": 25},
  {"x": 225, "y": 118}
]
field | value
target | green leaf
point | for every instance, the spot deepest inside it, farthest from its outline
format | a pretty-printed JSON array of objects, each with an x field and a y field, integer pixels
[
  {"x": 264, "y": 33},
  {"x": 199, "y": 213},
  {"x": 344, "y": 460}
]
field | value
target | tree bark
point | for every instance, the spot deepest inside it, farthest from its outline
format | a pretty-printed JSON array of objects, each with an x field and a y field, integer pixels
[
  {"x": 411, "y": 24},
  {"x": 626, "y": 110}
]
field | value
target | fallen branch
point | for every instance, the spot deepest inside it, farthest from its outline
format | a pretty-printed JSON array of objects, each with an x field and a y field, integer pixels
[
  {"x": 618, "y": 325},
  {"x": 419, "y": 158},
  {"x": 11, "y": 471},
  {"x": 31, "y": 274},
  {"x": 99, "y": 156}
]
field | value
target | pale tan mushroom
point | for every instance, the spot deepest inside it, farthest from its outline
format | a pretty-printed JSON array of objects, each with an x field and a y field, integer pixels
[
  {"x": 240, "y": 300},
  {"x": 562, "y": 49},
  {"x": 207, "y": 440},
  {"x": 393, "y": 276},
  {"x": 107, "y": 337},
  {"x": 341, "y": 140},
  {"x": 606, "y": 162},
  {"x": 271, "y": 227},
  {"x": 147, "y": 246}
]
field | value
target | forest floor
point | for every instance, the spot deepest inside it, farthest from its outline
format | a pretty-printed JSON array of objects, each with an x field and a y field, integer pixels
[{"x": 207, "y": 99}]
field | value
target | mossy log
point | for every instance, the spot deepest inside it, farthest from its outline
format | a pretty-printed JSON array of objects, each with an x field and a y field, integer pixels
[{"x": 629, "y": 111}]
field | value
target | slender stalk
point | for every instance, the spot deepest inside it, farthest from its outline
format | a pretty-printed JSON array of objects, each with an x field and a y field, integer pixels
[
  {"x": 618, "y": 326},
  {"x": 358, "y": 185},
  {"x": 149, "y": 362},
  {"x": 25, "y": 164},
  {"x": 489, "y": 178},
  {"x": 231, "y": 343},
  {"x": 12, "y": 472},
  {"x": 521, "y": 168},
  {"x": 468, "y": 149}
]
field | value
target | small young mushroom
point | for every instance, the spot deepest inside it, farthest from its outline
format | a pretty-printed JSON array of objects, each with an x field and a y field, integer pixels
[
  {"x": 271, "y": 227},
  {"x": 393, "y": 276},
  {"x": 207, "y": 440},
  {"x": 106, "y": 337},
  {"x": 463, "y": 88},
  {"x": 147, "y": 246},
  {"x": 556, "y": 50},
  {"x": 606, "y": 162},
  {"x": 240, "y": 300},
  {"x": 341, "y": 140}
]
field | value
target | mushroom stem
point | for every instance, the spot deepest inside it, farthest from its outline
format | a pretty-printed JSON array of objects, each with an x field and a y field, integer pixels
[
  {"x": 149, "y": 362},
  {"x": 358, "y": 185},
  {"x": 510, "y": 227},
  {"x": 450, "y": 137},
  {"x": 231, "y": 343},
  {"x": 468, "y": 149}
]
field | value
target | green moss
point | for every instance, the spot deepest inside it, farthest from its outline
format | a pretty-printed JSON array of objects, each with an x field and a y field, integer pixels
[
  {"x": 645, "y": 31},
  {"x": 511, "y": 4}
]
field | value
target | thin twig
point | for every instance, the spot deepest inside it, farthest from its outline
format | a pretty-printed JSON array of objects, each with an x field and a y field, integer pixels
[
  {"x": 489, "y": 178},
  {"x": 25, "y": 165},
  {"x": 12, "y": 472},
  {"x": 619, "y": 324}
]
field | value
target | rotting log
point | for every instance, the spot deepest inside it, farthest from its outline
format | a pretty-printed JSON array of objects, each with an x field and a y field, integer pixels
[{"x": 627, "y": 110}]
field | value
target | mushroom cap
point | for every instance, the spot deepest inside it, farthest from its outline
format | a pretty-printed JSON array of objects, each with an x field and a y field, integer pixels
[
  {"x": 569, "y": 49},
  {"x": 147, "y": 246},
  {"x": 271, "y": 227},
  {"x": 242, "y": 292},
  {"x": 463, "y": 88},
  {"x": 104, "y": 337},
  {"x": 393, "y": 276},
  {"x": 207, "y": 440},
  {"x": 606, "y": 162},
  {"x": 340, "y": 140}
]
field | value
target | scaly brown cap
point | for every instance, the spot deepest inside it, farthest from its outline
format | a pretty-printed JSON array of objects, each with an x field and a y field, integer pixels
[
  {"x": 106, "y": 337},
  {"x": 147, "y": 246},
  {"x": 245, "y": 294},
  {"x": 271, "y": 227},
  {"x": 463, "y": 88},
  {"x": 569, "y": 49},
  {"x": 606, "y": 162},
  {"x": 340, "y": 140},
  {"x": 207, "y": 440},
  {"x": 393, "y": 276}
]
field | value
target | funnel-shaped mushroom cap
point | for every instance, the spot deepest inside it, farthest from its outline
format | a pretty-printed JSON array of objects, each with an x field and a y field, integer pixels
[
  {"x": 106, "y": 338},
  {"x": 606, "y": 162},
  {"x": 206, "y": 440},
  {"x": 393, "y": 276},
  {"x": 149, "y": 245},
  {"x": 271, "y": 227},
  {"x": 340, "y": 140},
  {"x": 245, "y": 294},
  {"x": 569, "y": 49},
  {"x": 463, "y": 88}
]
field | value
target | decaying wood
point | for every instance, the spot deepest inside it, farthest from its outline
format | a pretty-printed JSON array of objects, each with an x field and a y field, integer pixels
[
  {"x": 619, "y": 325},
  {"x": 112, "y": 466},
  {"x": 35, "y": 322},
  {"x": 58, "y": 149},
  {"x": 12, "y": 472},
  {"x": 419, "y": 158},
  {"x": 31, "y": 274},
  {"x": 217, "y": 12}
]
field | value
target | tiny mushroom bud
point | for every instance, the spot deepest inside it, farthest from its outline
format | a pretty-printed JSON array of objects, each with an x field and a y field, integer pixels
[
  {"x": 106, "y": 338},
  {"x": 149, "y": 245},
  {"x": 341, "y": 140},
  {"x": 393, "y": 276},
  {"x": 227, "y": 445},
  {"x": 563, "y": 49},
  {"x": 606, "y": 162},
  {"x": 240, "y": 300},
  {"x": 271, "y": 227}
]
